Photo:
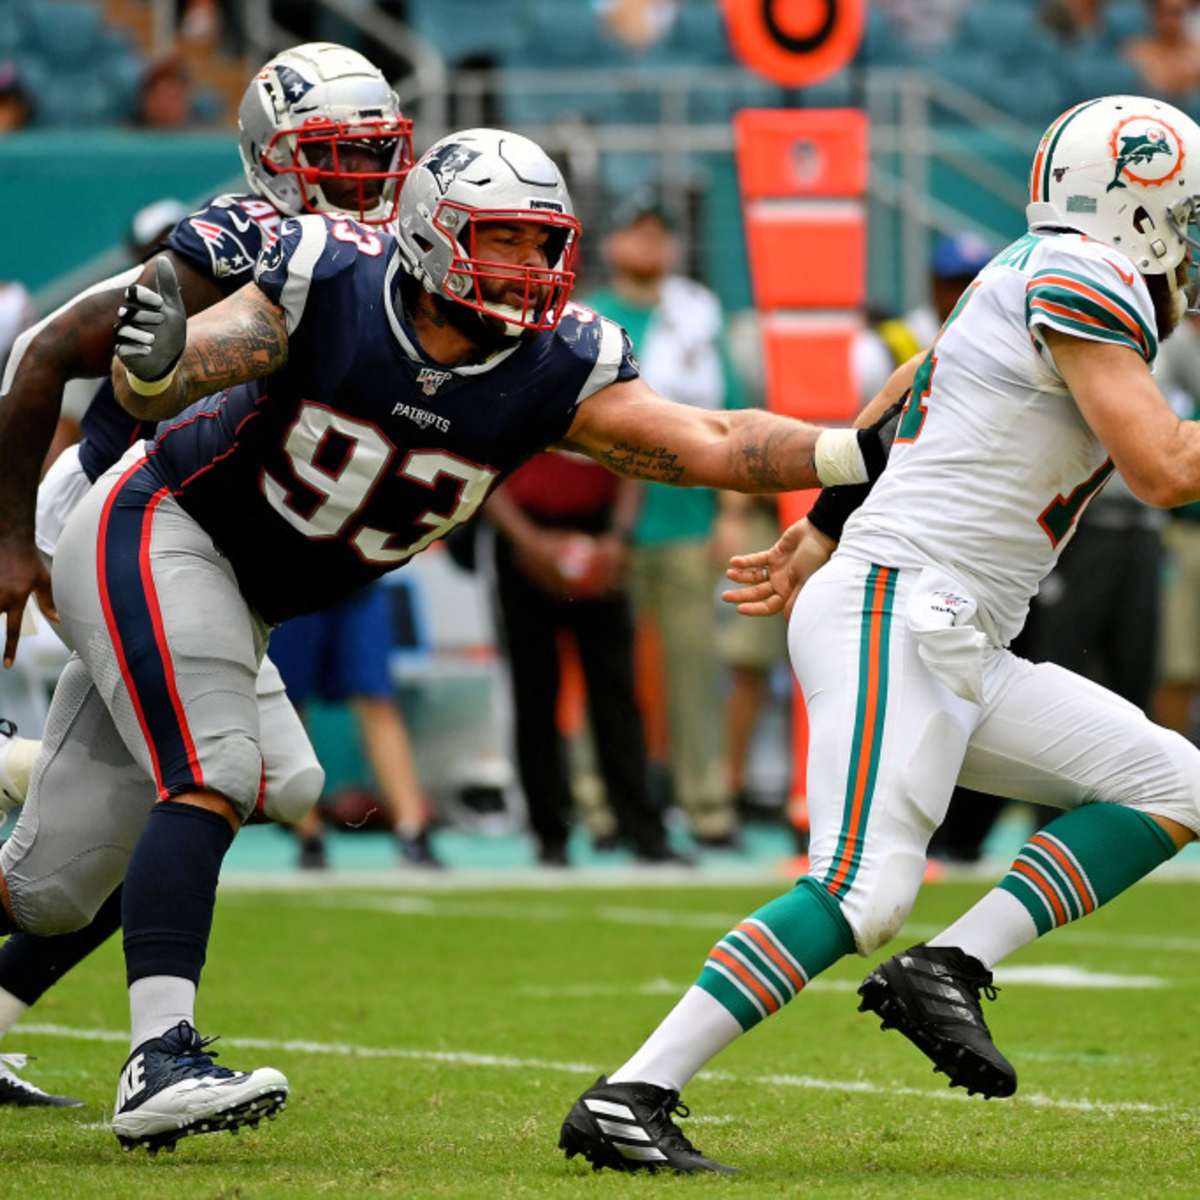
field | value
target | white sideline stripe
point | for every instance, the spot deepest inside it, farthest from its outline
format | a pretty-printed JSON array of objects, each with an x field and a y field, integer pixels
[
  {"x": 634, "y": 1132},
  {"x": 440, "y": 906},
  {"x": 1050, "y": 975},
  {"x": 470, "y": 1059},
  {"x": 610, "y": 1109}
]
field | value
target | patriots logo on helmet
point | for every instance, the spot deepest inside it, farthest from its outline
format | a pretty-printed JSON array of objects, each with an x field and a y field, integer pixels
[
  {"x": 225, "y": 249},
  {"x": 295, "y": 86},
  {"x": 446, "y": 164}
]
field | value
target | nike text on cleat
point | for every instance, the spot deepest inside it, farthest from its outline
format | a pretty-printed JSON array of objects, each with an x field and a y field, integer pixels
[
  {"x": 628, "y": 1127},
  {"x": 931, "y": 995},
  {"x": 170, "y": 1088},
  {"x": 20, "y": 1093}
]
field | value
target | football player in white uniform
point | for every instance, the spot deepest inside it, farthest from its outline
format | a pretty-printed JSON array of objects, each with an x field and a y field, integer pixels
[{"x": 1038, "y": 387}]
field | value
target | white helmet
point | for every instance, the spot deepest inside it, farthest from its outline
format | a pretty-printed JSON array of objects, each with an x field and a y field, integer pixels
[
  {"x": 488, "y": 175},
  {"x": 1125, "y": 170},
  {"x": 301, "y": 115}
]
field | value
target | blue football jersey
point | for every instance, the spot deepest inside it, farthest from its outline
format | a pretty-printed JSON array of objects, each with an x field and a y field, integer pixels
[
  {"x": 223, "y": 240},
  {"x": 361, "y": 451}
]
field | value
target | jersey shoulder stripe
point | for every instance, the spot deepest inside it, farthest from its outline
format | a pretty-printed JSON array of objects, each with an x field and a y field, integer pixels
[{"x": 1081, "y": 305}]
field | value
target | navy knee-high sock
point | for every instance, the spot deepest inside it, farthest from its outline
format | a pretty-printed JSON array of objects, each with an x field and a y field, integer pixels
[
  {"x": 170, "y": 890},
  {"x": 30, "y": 965}
]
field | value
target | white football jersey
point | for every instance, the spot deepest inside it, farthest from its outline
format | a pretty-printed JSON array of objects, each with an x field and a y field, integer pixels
[{"x": 993, "y": 462}]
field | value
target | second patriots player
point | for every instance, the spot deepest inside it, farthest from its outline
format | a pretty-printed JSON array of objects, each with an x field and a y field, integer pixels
[
  {"x": 378, "y": 387},
  {"x": 320, "y": 131}
]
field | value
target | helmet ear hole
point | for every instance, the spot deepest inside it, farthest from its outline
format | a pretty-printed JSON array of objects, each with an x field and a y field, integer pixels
[{"x": 425, "y": 244}]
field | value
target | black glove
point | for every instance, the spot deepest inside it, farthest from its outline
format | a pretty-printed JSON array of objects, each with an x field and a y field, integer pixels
[
  {"x": 151, "y": 327},
  {"x": 876, "y": 440},
  {"x": 833, "y": 508}
]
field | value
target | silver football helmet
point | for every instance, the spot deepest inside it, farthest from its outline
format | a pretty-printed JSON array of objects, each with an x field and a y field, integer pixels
[
  {"x": 460, "y": 185},
  {"x": 321, "y": 131}
]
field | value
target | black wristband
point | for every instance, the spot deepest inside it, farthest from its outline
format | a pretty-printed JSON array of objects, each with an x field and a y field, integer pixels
[
  {"x": 875, "y": 442},
  {"x": 834, "y": 506}
]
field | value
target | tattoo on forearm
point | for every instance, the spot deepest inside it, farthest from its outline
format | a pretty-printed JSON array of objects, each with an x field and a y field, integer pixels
[
  {"x": 255, "y": 346},
  {"x": 772, "y": 456},
  {"x": 655, "y": 463}
]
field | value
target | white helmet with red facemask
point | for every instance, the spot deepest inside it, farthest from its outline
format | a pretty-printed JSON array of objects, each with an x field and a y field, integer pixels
[
  {"x": 321, "y": 131},
  {"x": 480, "y": 178}
]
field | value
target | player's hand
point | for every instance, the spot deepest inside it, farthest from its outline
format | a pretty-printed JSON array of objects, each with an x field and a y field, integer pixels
[
  {"x": 21, "y": 572},
  {"x": 771, "y": 579},
  {"x": 151, "y": 326}
]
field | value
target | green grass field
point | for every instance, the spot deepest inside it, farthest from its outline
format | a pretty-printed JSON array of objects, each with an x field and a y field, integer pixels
[{"x": 434, "y": 1041}]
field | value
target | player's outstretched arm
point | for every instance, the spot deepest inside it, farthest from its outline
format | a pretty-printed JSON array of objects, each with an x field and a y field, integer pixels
[
  {"x": 633, "y": 431},
  {"x": 73, "y": 342},
  {"x": 1157, "y": 454},
  {"x": 164, "y": 362}
]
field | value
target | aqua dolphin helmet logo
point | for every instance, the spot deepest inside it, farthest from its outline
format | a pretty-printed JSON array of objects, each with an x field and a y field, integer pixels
[{"x": 1148, "y": 144}]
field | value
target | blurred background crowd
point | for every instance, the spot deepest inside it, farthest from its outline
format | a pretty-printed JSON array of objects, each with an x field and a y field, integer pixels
[{"x": 561, "y": 674}]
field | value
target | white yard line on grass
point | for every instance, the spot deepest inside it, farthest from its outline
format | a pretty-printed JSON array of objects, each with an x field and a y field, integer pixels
[
  {"x": 509, "y": 1062},
  {"x": 667, "y": 918}
]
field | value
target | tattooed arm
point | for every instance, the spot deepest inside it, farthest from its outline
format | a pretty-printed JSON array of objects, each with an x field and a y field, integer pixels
[
  {"x": 633, "y": 431},
  {"x": 242, "y": 338}
]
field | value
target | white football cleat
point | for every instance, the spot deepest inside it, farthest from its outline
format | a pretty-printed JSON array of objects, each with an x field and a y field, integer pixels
[
  {"x": 170, "y": 1088},
  {"x": 16, "y": 763}
]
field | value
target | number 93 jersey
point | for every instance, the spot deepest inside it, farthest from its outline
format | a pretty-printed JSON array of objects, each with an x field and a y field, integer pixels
[
  {"x": 993, "y": 462},
  {"x": 360, "y": 451}
]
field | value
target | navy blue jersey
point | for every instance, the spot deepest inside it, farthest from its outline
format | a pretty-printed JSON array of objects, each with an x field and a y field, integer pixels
[
  {"x": 360, "y": 451},
  {"x": 223, "y": 239}
]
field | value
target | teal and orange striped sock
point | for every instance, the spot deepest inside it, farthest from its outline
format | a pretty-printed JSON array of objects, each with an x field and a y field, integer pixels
[
  {"x": 765, "y": 960},
  {"x": 1080, "y": 861},
  {"x": 756, "y": 968}
]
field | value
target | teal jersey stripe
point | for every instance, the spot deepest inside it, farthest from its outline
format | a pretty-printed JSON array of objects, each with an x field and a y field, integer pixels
[
  {"x": 1035, "y": 315},
  {"x": 1115, "y": 298},
  {"x": 860, "y": 730}
]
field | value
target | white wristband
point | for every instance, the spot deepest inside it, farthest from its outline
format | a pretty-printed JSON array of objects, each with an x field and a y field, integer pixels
[
  {"x": 155, "y": 387},
  {"x": 838, "y": 458}
]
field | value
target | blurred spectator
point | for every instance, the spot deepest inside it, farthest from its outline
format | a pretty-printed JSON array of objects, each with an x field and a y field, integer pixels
[
  {"x": 15, "y": 109},
  {"x": 924, "y": 24},
  {"x": 1168, "y": 57},
  {"x": 638, "y": 24},
  {"x": 562, "y": 524},
  {"x": 341, "y": 655},
  {"x": 1072, "y": 20},
  {"x": 878, "y": 351},
  {"x": 677, "y": 331},
  {"x": 165, "y": 98},
  {"x": 1177, "y": 369}
]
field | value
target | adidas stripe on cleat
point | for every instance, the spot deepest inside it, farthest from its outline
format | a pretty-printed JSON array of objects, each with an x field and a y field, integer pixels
[
  {"x": 20, "y": 1093},
  {"x": 628, "y": 1127},
  {"x": 931, "y": 995},
  {"x": 170, "y": 1088}
]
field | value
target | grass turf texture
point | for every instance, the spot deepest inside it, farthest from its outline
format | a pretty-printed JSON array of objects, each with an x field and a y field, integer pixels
[{"x": 578, "y": 977}]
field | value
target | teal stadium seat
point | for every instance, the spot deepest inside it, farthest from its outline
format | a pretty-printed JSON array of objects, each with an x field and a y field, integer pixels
[{"x": 460, "y": 28}]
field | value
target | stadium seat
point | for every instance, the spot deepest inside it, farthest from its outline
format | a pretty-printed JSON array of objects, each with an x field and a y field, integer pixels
[
  {"x": 459, "y": 28},
  {"x": 67, "y": 33},
  {"x": 1087, "y": 73},
  {"x": 1122, "y": 22},
  {"x": 882, "y": 44},
  {"x": 1000, "y": 32}
]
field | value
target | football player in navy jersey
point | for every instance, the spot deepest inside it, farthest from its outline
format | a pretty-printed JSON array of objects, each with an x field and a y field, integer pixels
[
  {"x": 350, "y": 406},
  {"x": 321, "y": 131}
]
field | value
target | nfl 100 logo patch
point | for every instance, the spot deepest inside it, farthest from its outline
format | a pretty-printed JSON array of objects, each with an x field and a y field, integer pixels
[{"x": 429, "y": 379}]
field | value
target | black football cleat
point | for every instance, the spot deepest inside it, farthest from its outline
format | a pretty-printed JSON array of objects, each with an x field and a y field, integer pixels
[
  {"x": 628, "y": 1127},
  {"x": 20, "y": 1093},
  {"x": 170, "y": 1088},
  {"x": 417, "y": 851},
  {"x": 931, "y": 995}
]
